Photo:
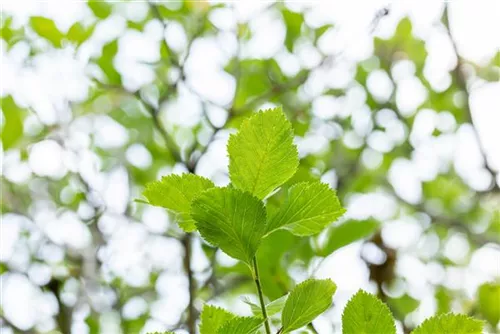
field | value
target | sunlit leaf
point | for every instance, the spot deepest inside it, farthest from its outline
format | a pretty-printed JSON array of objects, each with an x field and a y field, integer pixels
[
  {"x": 308, "y": 300},
  {"x": 347, "y": 232},
  {"x": 175, "y": 193},
  {"x": 241, "y": 325},
  {"x": 212, "y": 318},
  {"x": 450, "y": 324},
  {"x": 366, "y": 314},
  {"x": 307, "y": 210},
  {"x": 230, "y": 219},
  {"x": 262, "y": 155}
]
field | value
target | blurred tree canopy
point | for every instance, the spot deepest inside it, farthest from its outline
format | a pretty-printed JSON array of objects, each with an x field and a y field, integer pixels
[{"x": 143, "y": 90}]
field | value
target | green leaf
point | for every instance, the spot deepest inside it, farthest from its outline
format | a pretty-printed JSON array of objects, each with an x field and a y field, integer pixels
[
  {"x": 262, "y": 155},
  {"x": 489, "y": 302},
  {"x": 106, "y": 62},
  {"x": 308, "y": 300},
  {"x": 100, "y": 8},
  {"x": 212, "y": 318},
  {"x": 272, "y": 308},
  {"x": 318, "y": 32},
  {"x": 175, "y": 193},
  {"x": 241, "y": 325},
  {"x": 12, "y": 129},
  {"x": 78, "y": 34},
  {"x": 346, "y": 233},
  {"x": 403, "y": 305},
  {"x": 47, "y": 29},
  {"x": 366, "y": 314},
  {"x": 293, "y": 23},
  {"x": 307, "y": 210},
  {"x": 231, "y": 219},
  {"x": 450, "y": 324},
  {"x": 92, "y": 322}
]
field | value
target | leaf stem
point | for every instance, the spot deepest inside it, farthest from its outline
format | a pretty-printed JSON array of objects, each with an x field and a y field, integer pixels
[{"x": 261, "y": 295}]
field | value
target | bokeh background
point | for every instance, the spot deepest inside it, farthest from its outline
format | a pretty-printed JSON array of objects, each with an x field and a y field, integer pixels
[{"x": 395, "y": 105}]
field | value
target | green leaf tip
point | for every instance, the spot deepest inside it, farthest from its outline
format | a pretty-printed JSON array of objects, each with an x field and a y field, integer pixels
[
  {"x": 306, "y": 301},
  {"x": 175, "y": 193},
  {"x": 366, "y": 314},
  {"x": 262, "y": 155}
]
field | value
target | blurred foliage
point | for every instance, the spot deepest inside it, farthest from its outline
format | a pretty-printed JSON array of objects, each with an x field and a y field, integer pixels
[{"x": 343, "y": 151}]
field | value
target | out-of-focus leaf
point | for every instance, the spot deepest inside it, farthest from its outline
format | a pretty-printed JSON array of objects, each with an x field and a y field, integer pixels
[
  {"x": 306, "y": 301},
  {"x": 402, "y": 41},
  {"x": 253, "y": 79},
  {"x": 105, "y": 62},
  {"x": 307, "y": 210},
  {"x": 92, "y": 322},
  {"x": 293, "y": 23},
  {"x": 494, "y": 228},
  {"x": 403, "y": 305},
  {"x": 78, "y": 33},
  {"x": 318, "y": 32},
  {"x": 231, "y": 219},
  {"x": 135, "y": 325},
  {"x": 489, "y": 302},
  {"x": 47, "y": 29},
  {"x": 346, "y": 233},
  {"x": 262, "y": 155},
  {"x": 447, "y": 190},
  {"x": 443, "y": 300},
  {"x": 12, "y": 129},
  {"x": 365, "y": 313},
  {"x": 100, "y": 8},
  {"x": 450, "y": 324},
  {"x": 9, "y": 34}
]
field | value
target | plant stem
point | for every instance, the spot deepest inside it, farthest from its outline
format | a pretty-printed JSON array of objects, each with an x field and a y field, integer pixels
[{"x": 261, "y": 295}]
